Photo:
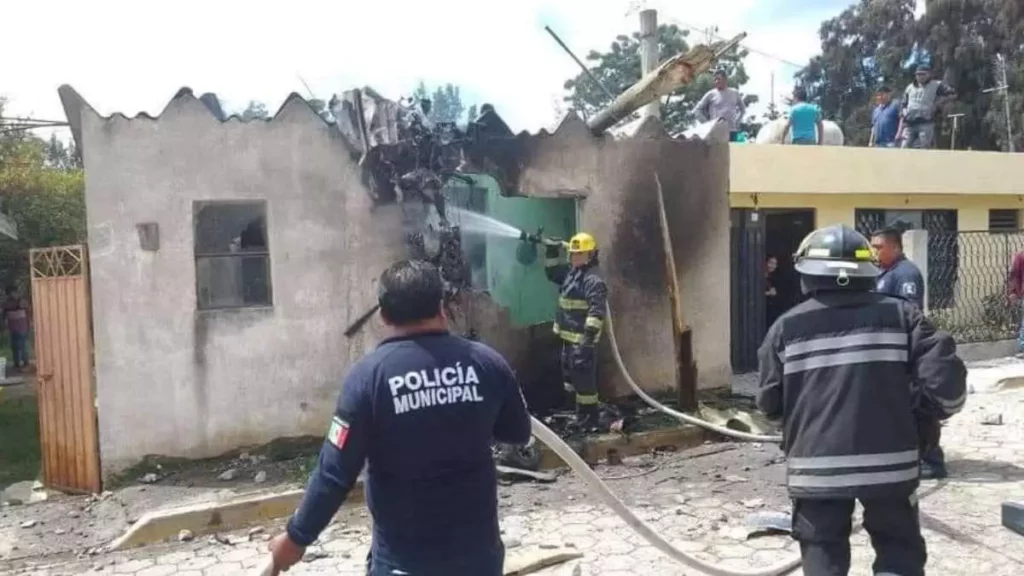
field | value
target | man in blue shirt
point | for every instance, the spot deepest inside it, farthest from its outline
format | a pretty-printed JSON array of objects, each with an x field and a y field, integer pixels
[
  {"x": 885, "y": 120},
  {"x": 421, "y": 410},
  {"x": 902, "y": 278},
  {"x": 804, "y": 119}
]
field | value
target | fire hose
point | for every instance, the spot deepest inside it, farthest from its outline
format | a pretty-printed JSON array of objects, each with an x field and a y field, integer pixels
[
  {"x": 723, "y": 430},
  {"x": 599, "y": 488}
]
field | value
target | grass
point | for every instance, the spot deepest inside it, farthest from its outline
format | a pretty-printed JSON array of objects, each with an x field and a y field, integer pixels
[{"x": 20, "y": 457}]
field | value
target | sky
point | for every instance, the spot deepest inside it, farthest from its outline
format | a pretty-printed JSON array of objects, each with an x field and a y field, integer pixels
[{"x": 133, "y": 55}]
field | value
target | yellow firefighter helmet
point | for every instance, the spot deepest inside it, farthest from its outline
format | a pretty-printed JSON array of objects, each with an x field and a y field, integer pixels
[{"x": 582, "y": 242}]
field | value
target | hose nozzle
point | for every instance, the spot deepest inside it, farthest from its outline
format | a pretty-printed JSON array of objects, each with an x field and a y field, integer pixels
[{"x": 537, "y": 238}]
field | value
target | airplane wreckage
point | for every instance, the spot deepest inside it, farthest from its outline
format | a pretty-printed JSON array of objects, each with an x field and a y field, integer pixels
[{"x": 408, "y": 160}]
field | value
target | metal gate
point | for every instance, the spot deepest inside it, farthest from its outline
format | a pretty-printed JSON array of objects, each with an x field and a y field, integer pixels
[
  {"x": 747, "y": 286},
  {"x": 64, "y": 363}
]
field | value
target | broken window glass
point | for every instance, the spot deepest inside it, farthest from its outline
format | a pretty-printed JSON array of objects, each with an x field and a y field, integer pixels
[{"x": 232, "y": 259}]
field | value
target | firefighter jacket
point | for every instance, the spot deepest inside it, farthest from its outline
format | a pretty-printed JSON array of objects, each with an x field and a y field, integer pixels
[
  {"x": 582, "y": 298},
  {"x": 849, "y": 373}
]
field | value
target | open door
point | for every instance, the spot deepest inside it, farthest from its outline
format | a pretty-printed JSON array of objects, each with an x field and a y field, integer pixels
[
  {"x": 747, "y": 286},
  {"x": 63, "y": 345}
]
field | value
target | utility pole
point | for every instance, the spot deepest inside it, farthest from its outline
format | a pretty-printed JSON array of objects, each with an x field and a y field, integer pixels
[
  {"x": 649, "y": 54},
  {"x": 999, "y": 72},
  {"x": 952, "y": 139}
]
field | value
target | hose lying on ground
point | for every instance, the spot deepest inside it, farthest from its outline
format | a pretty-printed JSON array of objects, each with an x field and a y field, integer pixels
[
  {"x": 599, "y": 488},
  {"x": 665, "y": 409}
]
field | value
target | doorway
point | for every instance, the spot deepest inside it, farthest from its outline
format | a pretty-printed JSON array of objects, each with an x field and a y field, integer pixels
[
  {"x": 784, "y": 230},
  {"x": 757, "y": 234}
]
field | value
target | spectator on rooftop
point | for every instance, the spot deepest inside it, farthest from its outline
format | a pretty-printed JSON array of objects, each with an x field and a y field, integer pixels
[
  {"x": 722, "y": 103},
  {"x": 885, "y": 119},
  {"x": 921, "y": 101},
  {"x": 805, "y": 120}
]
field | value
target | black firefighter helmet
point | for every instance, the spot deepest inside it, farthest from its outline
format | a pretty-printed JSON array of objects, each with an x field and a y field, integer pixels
[{"x": 838, "y": 252}]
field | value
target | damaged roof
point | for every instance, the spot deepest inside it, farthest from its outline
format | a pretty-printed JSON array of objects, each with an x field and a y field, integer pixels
[
  {"x": 488, "y": 122},
  {"x": 74, "y": 104}
]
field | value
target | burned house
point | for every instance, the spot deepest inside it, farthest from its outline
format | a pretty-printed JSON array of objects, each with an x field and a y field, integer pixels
[{"x": 228, "y": 260}]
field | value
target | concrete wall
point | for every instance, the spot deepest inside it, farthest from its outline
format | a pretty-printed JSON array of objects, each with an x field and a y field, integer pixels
[
  {"x": 615, "y": 180},
  {"x": 175, "y": 381},
  {"x": 853, "y": 170}
]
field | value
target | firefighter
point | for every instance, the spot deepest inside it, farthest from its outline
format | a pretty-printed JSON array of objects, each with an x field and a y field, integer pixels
[
  {"x": 420, "y": 411},
  {"x": 850, "y": 372},
  {"x": 582, "y": 296}
]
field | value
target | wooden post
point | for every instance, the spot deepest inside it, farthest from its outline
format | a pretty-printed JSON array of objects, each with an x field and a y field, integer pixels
[
  {"x": 686, "y": 371},
  {"x": 649, "y": 54}
]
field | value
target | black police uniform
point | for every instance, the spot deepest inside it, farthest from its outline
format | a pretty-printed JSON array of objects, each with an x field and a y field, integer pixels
[
  {"x": 904, "y": 280},
  {"x": 846, "y": 371},
  {"x": 421, "y": 411},
  {"x": 582, "y": 299}
]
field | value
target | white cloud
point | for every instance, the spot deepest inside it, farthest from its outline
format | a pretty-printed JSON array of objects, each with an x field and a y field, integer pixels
[{"x": 132, "y": 56}]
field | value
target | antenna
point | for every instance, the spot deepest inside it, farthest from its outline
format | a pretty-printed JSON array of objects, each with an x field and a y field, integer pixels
[
  {"x": 999, "y": 72},
  {"x": 308, "y": 90}
]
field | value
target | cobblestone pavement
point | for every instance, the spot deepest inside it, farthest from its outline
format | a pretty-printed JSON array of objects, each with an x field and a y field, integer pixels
[{"x": 700, "y": 510}]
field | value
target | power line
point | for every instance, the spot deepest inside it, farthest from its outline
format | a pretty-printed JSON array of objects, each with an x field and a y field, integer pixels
[{"x": 709, "y": 32}]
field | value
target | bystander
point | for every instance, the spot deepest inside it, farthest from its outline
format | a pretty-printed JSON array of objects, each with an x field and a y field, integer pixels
[{"x": 885, "y": 119}]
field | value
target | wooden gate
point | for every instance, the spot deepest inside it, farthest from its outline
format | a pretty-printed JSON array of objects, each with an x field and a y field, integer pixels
[{"x": 64, "y": 362}]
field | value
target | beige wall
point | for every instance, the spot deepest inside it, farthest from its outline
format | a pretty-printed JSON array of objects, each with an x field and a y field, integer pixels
[
  {"x": 972, "y": 209},
  {"x": 854, "y": 170}
]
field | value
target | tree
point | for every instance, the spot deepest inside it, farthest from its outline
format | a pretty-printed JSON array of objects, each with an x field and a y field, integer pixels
[
  {"x": 868, "y": 45},
  {"x": 62, "y": 156},
  {"x": 255, "y": 110},
  {"x": 445, "y": 103},
  {"x": 46, "y": 202},
  {"x": 619, "y": 68}
]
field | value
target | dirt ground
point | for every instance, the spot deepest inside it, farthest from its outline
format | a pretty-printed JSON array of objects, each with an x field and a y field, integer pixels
[
  {"x": 66, "y": 528},
  {"x": 69, "y": 526}
]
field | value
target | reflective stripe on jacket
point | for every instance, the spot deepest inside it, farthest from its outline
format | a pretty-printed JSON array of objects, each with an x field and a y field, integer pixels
[
  {"x": 848, "y": 373},
  {"x": 581, "y": 301}
]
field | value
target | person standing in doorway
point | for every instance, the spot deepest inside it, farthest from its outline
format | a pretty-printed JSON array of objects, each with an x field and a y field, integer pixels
[
  {"x": 722, "y": 103},
  {"x": 16, "y": 318},
  {"x": 804, "y": 120},
  {"x": 902, "y": 278},
  {"x": 772, "y": 304},
  {"x": 885, "y": 120},
  {"x": 921, "y": 102}
]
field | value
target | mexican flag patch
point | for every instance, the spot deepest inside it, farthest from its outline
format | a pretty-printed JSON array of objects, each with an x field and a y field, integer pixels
[{"x": 338, "y": 433}]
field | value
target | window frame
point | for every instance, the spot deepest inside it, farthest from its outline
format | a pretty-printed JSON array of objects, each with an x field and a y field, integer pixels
[
  {"x": 1004, "y": 211},
  {"x": 197, "y": 207}
]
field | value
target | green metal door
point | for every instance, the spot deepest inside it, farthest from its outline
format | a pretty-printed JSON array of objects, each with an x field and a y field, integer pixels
[{"x": 522, "y": 288}]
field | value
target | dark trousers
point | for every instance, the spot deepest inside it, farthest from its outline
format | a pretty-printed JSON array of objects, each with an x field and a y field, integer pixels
[
  {"x": 822, "y": 527},
  {"x": 579, "y": 374},
  {"x": 19, "y": 349},
  {"x": 930, "y": 433},
  {"x": 482, "y": 563}
]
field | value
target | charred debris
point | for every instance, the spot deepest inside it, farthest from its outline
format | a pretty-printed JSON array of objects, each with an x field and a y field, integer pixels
[{"x": 408, "y": 160}]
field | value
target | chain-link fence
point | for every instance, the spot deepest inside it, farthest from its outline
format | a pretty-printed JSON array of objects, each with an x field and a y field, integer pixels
[{"x": 968, "y": 275}]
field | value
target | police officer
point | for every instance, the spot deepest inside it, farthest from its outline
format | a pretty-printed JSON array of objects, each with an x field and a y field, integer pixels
[
  {"x": 422, "y": 410},
  {"x": 901, "y": 277},
  {"x": 582, "y": 298},
  {"x": 846, "y": 371}
]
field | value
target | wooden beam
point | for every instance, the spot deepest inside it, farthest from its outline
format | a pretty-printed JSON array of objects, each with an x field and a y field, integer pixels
[{"x": 686, "y": 372}]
